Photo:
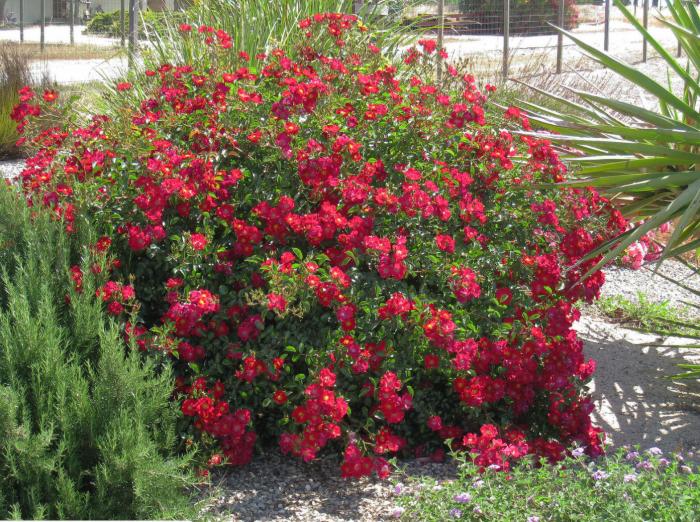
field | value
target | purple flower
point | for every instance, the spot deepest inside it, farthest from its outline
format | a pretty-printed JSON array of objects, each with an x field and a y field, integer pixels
[
  {"x": 577, "y": 452},
  {"x": 533, "y": 518},
  {"x": 600, "y": 475},
  {"x": 645, "y": 465},
  {"x": 632, "y": 455},
  {"x": 455, "y": 513},
  {"x": 477, "y": 484},
  {"x": 686, "y": 469},
  {"x": 655, "y": 451},
  {"x": 462, "y": 498},
  {"x": 664, "y": 462},
  {"x": 397, "y": 512},
  {"x": 630, "y": 477},
  {"x": 477, "y": 510},
  {"x": 398, "y": 488}
]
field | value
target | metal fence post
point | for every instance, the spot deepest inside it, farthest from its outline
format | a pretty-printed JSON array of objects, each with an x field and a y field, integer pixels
[
  {"x": 71, "y": 20},
  {"x": 506, "y": 37},
  {"x": 440, "y": 38},
  {"x": 645, "y": 21},
  {"x": 606, "y": 38},
  {"x": 133, "y": 36},
  {"x": 560, "y": 36},
  {"x": 43, "y": 25},
  {"x": 122, "y": 22},
  {"x": 21, "y": 21}
]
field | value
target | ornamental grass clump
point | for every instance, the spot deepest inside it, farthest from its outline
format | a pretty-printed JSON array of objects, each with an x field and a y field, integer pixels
[{"x": 338, "y": 256}]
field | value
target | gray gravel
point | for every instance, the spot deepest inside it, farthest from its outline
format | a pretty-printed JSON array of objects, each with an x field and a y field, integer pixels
[
  {"x": 11, "y": 168},
  {"x": 630, "y": 283},
  {"x": 277, "y": 488}
]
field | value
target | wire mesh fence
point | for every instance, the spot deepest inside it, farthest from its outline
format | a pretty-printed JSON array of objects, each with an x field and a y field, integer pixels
[
  {"x": 519, "y": 39},
  {"x": 494, "y": 38}
]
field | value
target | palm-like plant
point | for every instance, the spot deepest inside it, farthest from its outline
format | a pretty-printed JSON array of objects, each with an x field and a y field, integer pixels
[{"x": 647, "y": 161}]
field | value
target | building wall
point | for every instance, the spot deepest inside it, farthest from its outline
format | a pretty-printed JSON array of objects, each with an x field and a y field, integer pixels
[
  {"x": 115, "y": 5},
  {"x": 32, "y": 10}
]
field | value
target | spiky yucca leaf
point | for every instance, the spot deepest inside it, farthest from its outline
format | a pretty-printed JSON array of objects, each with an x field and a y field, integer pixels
[{"x": 646, "y": 160}]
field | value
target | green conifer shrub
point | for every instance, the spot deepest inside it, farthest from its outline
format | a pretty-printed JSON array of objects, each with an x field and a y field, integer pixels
[{"x": 87, "y": 430}]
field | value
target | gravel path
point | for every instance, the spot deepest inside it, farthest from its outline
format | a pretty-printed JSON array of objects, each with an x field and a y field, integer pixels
[
  {"x": 11, "y": 168},
  {"x": 635, "y": 402},
  {"x": 58, "y": 34},
  {"x": 276, "y": 488},
  {"x": 67, "y": 72},
  {"x": 629, "y": 283}
]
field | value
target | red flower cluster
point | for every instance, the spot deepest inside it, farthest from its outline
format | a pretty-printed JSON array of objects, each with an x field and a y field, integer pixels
[{"x": 212, "y": 416}]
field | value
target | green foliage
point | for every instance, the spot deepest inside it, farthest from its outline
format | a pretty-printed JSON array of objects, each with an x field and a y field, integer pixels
[
  {"x": 645, "y": 314},
  {"x": 14, "y": 74},
  {"x": 87, "y": 431},
  {"x": 109, "y": 23},
  {"x": 625, "y": 487},
  {"x": 645, "y": 159}
]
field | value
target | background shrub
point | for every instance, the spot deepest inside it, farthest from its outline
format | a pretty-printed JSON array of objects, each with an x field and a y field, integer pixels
[
  {"x": 87, "y": 429},
  {"x": 109, "y": 23},
  {"x": 337, "y": 254}
]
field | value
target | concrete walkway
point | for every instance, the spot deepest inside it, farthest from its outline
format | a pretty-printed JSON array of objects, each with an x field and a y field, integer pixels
[
  {"x": 57, "y": 34},
  {"x": 79, "y": 71},
  {"x": 635, "y": 401}
]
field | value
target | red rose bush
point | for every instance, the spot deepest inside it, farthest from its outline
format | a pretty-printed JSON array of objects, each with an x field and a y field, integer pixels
[{"x": 338, "y": 255}]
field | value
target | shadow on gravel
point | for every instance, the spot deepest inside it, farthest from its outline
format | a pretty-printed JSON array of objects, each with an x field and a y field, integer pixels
[{"x": 635, "y": 402}]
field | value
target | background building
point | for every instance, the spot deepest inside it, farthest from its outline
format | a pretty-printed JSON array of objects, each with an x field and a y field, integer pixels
[{"x": 57, "y": 10}]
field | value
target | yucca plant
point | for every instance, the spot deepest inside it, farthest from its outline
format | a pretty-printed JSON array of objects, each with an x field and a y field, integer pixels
[
  {"x": 645, "y": 159},
  {"x": 260, "y": 25}
]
